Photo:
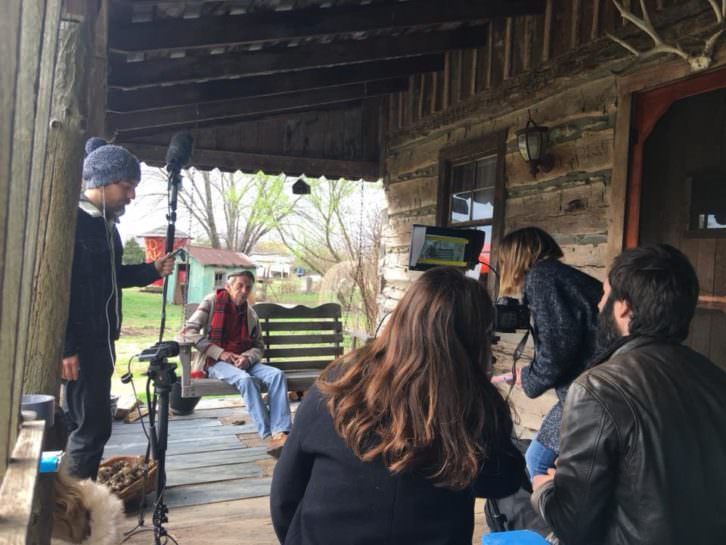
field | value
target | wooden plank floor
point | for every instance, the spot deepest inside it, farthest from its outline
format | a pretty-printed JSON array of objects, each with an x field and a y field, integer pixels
[{"x": 218, "y": 478}]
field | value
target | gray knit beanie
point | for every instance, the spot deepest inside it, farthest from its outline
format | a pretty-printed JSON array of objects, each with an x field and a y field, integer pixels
[{"x": 106, "y": 164}]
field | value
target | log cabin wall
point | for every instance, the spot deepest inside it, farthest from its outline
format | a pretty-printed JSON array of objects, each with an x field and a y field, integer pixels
[{"x": 563, "y": 68}]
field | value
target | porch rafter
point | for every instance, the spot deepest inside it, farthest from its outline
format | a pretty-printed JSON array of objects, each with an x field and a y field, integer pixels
[
  {"x": 189, "y": 116},
  {"x": 275, "y": 84},
  {"x": 130, "y": 75},
  {"x": 312, "y": 22}
]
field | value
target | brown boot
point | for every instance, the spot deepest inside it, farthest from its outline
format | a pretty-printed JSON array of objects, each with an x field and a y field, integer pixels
[{"x": 275, "y": 444}]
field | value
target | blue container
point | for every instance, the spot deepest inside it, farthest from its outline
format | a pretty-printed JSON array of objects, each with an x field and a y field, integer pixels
[
  {"x": 516, "y": 537},
  {"x": 50, "y": 461}
]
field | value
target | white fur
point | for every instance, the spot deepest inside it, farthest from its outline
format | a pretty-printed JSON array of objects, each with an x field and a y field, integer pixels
[{"x": 106, "y": 515}]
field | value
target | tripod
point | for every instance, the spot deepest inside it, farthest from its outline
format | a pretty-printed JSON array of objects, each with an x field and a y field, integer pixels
[{"x": 161, "y": 372}]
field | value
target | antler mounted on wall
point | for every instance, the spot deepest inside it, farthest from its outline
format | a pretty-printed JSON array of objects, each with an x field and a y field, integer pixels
[{"x": 697, "y": 62}]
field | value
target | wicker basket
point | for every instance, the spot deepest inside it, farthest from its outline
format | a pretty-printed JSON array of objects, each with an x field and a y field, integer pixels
[{"x": 133, "y": 492}]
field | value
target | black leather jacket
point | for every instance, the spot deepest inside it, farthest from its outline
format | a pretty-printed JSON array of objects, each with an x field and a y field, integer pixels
[{"x": 642, "y": 452}]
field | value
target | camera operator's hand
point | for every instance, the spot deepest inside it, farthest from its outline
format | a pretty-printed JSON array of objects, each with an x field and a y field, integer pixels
[
  {"x": 243, "y": 362},
  {"x": 70, "y": 367},
  {"x": 164, "y": 265},
  {"x": 229, "y": 357},
  {"x": 518, "y": 377}
]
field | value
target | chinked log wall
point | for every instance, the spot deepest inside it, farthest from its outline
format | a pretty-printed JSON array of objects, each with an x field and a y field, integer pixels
[{"x": 561, "y": 67}]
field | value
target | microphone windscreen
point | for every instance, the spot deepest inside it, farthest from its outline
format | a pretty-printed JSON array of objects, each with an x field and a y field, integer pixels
[{"x": 180, "y": 150}]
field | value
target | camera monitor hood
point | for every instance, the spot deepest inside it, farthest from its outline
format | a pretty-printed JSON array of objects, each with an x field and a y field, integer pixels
[{"x": 441, "y": 246}]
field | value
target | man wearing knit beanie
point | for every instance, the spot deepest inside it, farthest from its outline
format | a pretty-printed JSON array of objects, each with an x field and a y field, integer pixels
[{"x": 110, "y": 175}]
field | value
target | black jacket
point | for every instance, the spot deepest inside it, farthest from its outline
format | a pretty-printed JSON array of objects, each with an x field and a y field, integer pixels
[
  {"x": 323, "y": 494},
  {"x": 563, "y": 302},
  {"x": 94, "y": 315},
  {"x": 643, "y": 451}
]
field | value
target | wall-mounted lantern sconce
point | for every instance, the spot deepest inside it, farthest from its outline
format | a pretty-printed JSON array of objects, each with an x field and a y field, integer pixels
[
  {"x": 300, "y": 187},
  {"x": 532, "y": 142}
]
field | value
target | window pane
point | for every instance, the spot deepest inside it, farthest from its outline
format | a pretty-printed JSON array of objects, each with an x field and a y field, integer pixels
[
  {"x": 711, "y": 221},
  {"x": 460, "y": 207},
  {"x": 486, "y": 172},
  {"x": 462, "y": 177},
  {"x": 708, "y": 201},
  {"x": 483, "y": 205}
]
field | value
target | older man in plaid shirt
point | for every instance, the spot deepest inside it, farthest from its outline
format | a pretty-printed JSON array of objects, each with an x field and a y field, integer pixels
[{"x": 226, "y": 332}]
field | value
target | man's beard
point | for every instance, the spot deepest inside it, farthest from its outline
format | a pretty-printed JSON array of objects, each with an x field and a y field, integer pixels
[{"x": 607, "y": 329}]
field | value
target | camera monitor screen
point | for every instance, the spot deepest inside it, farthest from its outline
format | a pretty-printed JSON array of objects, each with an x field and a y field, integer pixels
[{"x": 439, "y": 246}]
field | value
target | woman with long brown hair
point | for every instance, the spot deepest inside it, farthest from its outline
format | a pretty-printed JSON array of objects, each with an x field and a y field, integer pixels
[{"x": 397, "y": 438}]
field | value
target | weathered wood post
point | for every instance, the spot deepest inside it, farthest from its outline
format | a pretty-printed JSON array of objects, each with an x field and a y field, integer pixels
[
  {"x": 28, "y": 38},
  {"x": 58, "y": 198}
]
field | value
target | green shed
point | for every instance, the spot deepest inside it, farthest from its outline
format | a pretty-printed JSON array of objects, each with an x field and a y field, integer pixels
[{"x": 205, "y": 270}]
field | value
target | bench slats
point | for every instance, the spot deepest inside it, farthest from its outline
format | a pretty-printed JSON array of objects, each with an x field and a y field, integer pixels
[
  {"x": 320, "y": 336},
  {"x": 301, "y": 326},
  {"x": 295, "y": 365},
  {"x": 210, "y": 386},
  {"x": 304, "y": 339},
  {"x": 301, "y": 352},
  {"x": 271, "y": 310}
]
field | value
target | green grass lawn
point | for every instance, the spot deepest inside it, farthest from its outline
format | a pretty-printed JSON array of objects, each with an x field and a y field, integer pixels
[{"x": 140, "y": 329}]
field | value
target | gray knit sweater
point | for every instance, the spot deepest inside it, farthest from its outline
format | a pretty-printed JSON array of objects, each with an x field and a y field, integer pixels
[{"x": 563, "y": 302}]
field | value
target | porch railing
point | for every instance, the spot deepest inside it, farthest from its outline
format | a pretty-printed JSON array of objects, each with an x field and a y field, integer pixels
[{"x": 20, "y": 522}]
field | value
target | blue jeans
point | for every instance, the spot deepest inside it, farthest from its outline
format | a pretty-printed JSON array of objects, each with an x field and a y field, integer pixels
[
  {"x": 539, "y": 458},
  {"x": 277, "y": 419}
]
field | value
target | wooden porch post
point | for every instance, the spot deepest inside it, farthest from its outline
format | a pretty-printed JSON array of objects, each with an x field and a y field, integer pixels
[
  {"x": 58, "y": 199},
  {"x": 28, "y": 36}
]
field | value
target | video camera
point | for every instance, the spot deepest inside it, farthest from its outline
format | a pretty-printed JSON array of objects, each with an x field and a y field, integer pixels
[
  {"x": 510, "y": 315},
  {"x": 161, "y": 350}
]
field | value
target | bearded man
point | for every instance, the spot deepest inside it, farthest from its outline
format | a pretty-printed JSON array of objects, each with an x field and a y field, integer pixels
[{"x": 643, "y": 440}]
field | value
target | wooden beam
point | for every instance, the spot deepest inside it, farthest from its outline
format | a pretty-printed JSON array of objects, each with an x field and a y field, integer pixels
[
  {"x": 128, "y": 75},
  {"x": 576, "y": 22},
  {"x": 193, "y": 93},
  {"x": 508, "y": 46},
  {"x": 434, "y": 91},
  {"x": 547, "y": 38},
  {"x": 447, "y": 80},
  {"x": 595, "y": 28},
  {"x": 169, "y": 130},
  {"x": 208, "y": 159},
  {"x": 228, "y": 110},
  {"x": 472, "y": 69},
  {"x": 527, "y": 44},
  {"x": 306, "y": 23}
]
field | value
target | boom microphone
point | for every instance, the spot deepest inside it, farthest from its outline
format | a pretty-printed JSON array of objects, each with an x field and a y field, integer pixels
[{"x": 179, "y": 152}]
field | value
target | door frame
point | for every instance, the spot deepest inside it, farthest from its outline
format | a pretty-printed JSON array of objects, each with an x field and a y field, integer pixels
[
  {"x": 644, "y": 98},
  {"x": 656, "y": 88}
]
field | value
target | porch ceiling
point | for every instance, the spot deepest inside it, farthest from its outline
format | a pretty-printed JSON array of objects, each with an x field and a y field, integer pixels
[{"x": 189, "y": 64}]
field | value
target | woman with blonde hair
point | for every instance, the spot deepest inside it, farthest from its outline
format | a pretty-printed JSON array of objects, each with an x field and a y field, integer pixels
[
  {"x": 398, "y": 437},
  {"x": 563, "y": 305}
]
